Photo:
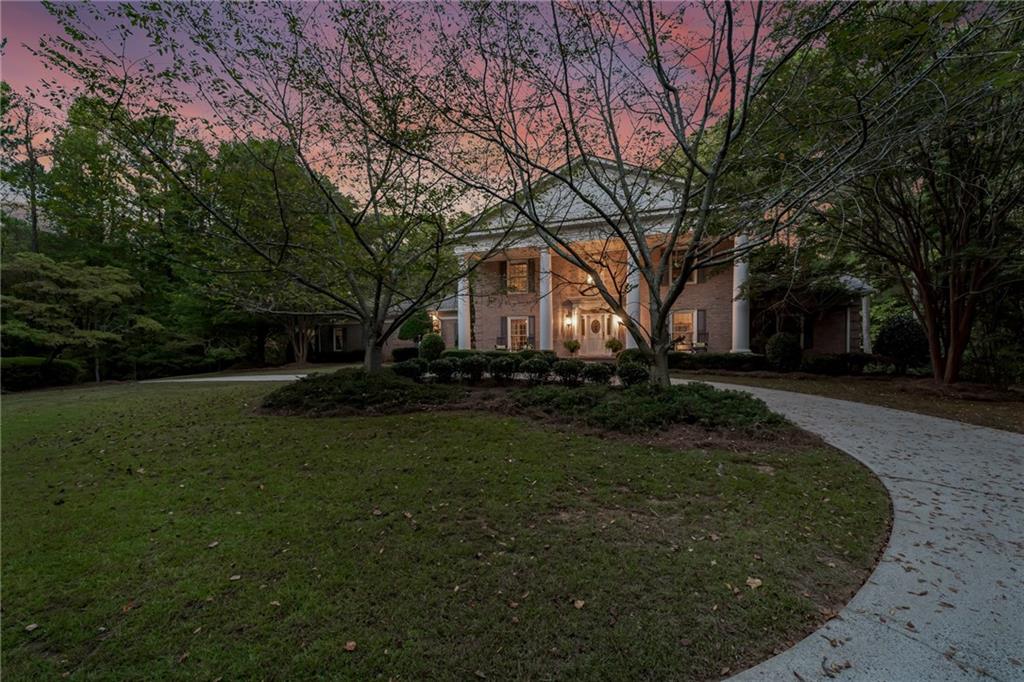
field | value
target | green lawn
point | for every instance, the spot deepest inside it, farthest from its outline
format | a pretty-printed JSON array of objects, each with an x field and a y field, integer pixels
[{"x": 166, "y": 531}]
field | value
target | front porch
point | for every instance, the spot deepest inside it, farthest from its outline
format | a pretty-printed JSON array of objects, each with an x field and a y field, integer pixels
[{"x": 532, "y": 298}]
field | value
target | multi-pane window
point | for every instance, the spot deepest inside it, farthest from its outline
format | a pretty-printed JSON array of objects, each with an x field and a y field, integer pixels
[
  {"x": 339, "y": 338},
  {"x": 518, "y": 332},
  {"x": 517, "y": 277},
  {"x": 683, "y": 327}
]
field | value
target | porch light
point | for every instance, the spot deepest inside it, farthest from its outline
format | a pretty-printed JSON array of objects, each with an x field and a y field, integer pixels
[{"x": 618, "y": 320}]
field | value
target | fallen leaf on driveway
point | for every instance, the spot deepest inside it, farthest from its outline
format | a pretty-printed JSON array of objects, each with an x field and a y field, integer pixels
[
  {"x": 754, "y": 583},
  {"x": 579, "y": 603}
]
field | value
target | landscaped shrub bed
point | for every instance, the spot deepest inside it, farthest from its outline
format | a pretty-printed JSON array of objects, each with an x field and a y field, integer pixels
[
  {"x": 736, "y": 362},
  {"x": 647, "y": 407},
  {"x": 356, "y": 390}
]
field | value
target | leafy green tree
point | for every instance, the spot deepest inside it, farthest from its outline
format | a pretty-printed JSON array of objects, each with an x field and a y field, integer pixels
[
  {"x": 938, "y": 209},
  {"x": 416, "y": 326},
  {"x": 59, "y": 306},
  {"x": 382, "y": 247},
  {"x": 21, "y": 167}
]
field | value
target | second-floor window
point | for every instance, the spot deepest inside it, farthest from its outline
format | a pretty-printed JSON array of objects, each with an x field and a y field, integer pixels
[{"x": 517, "y": 277}]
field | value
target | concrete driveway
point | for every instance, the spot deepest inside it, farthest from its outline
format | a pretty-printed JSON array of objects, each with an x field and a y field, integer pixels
[{"x": 947, "y": 600}]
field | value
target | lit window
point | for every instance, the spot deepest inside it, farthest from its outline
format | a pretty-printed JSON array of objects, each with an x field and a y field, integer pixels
[
  {"x": 518, "y": 332},
  {"x": 517, "y": 278},
  {"x": 682, "y": 327}
]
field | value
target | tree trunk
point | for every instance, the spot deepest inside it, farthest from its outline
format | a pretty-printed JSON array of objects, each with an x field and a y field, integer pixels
[
  {"x": 96, "y": 367},
  {"x": 373, "y": 356},
  {"x": 659, "y": 370}
]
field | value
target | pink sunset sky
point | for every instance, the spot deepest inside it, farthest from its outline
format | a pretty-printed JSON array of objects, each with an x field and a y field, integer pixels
[{"x": 23, "y": 23}]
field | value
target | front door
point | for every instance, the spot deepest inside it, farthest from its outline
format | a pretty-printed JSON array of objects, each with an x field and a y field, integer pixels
[{"x": 595, "y": 329}]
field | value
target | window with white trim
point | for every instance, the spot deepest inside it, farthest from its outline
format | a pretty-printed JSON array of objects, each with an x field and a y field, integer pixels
[
  {"x": 684, "y": 327},
  {"x": 518, "y": 333},
  {"x": 517, "y": 277}
]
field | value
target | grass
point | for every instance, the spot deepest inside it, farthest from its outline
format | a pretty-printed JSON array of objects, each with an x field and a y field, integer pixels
[
  {"x": 445, "y": 545},
  {"x": 970, "y": 404}
]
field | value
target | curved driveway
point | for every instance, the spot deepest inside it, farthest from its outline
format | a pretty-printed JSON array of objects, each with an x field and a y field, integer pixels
[{"x": 946, "y": 602}]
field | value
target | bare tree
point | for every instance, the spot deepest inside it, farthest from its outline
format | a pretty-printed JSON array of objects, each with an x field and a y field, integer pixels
[
  {"x": 380, "y": 245},
  {"x": 24, "y": 148},
  {"x": 649, "y": 116}
]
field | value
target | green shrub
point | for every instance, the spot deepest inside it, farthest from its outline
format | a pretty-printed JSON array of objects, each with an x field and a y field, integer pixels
[
  {"x": 736, "y": 362},
  {"x": 599, "y": 372},
  {"x": 431, "y": 347},
  {"x": 405, "y": 353},
  {"x": 783, "y": 352},
  {"x": 21, "y": 373},
  {"x": 634, "y": 356},
  {"x": 571, "y": 345},
  {"x": 835, "y": 364},
  {"x": 569, "y": 372},
  {"x": 413, "y": 368},
  {"x": 504, "y": 367},
  {"x": 613, "y": 345},
  {"x": 443, "y": 369},
  {"x": 458, "y": 353},
  {"x": 562, "y": 401},
  {"x": 634, "y": 373},
  {"x": 472, "y": 367},
  {"x": 547, "y": 356},
  {"x": 902, "y": 340},
  {"x": 492, "y": 354},
  {"x": 357, "y": 390},
  {"x": 536, "y": 369},
  {"x": 649, "y": 407}
]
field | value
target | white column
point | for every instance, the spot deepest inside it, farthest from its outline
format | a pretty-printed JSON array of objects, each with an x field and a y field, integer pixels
[
  {"x": 865, "y": 324},
  {"x": 463, "y": 307},
  {"x": 544, "y": 318},
  {"x": 740, "y": 305},
  {"x": 633, "y": 304}
]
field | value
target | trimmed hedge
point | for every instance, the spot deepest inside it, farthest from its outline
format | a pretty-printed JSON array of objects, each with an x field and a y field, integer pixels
[
  {"x": 21, "y": 373},
  {"x": 443, "y": 369},
  {"x": 472, "y": 367},
  {"x": 411, "y": 369},
  {"x": 737, "y": 362},
  {"x": 504, "y": 367},
  {"x": 357, "y": 390},
  {"x": 536, "y": 369},
  {"x": 836, "y": 364}
]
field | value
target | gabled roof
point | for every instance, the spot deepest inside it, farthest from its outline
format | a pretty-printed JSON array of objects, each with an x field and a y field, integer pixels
[{"x": 556, "y": 202}]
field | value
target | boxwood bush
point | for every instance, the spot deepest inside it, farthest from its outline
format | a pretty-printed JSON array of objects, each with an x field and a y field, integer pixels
[
  {"x": 784, "y": 352},
  {"x": 598, "y": 372},
  {"x": 443, "y": 369},
  {"x": 569, "y": 372},
  {"x": 472, "y": 367},
  {"x": 358, "y": 391},
  {"x": 902, "y": 340},
  {"x": 536, "y": 369},
  {"x": 20, "y": 373},
  {"x": 504, "y": 367},
  {"x": 413, "y": 369},
  {"x": 634, "y": 373},
  {"x": 431, "y": 347}
]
